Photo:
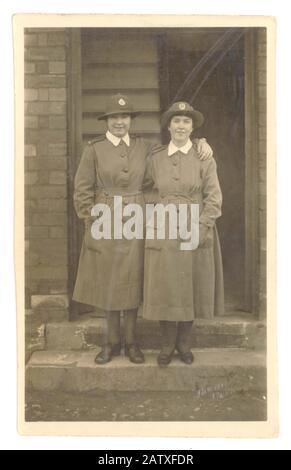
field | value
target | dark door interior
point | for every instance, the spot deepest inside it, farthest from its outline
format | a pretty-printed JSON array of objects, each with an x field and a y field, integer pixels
[{"x": 221, "y": 99}]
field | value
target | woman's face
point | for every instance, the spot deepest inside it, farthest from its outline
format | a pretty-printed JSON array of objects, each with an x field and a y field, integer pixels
[
  {"x": 119, "y": 124},
  {"x": 180, "y": 129}
]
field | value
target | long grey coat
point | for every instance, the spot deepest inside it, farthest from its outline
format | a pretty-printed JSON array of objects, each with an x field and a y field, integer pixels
[
  {"x": 110, "y": 272},
  {"x": 183, "y": 285}
]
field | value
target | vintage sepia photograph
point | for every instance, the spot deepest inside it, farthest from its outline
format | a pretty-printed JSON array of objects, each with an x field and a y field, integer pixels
[{"x": 143, "y": 150}]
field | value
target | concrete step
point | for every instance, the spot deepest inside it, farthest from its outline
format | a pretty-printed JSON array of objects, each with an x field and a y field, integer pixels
[
  {"x": 213, "y": 371},
  {"x": 229, "y": 331}
]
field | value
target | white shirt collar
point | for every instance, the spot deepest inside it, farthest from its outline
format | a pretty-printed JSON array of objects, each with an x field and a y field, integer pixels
[
  {"x": 116, "y": 140},
  {"x": 173, "y": 149}
]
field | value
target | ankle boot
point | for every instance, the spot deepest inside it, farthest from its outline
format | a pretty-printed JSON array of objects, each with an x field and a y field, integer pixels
[
  {"x": 183, "y": 344},
  {"x": 169, "y": 334},
  {"x": 132, "y": 350},
  {"x": 112, "y": 347}
]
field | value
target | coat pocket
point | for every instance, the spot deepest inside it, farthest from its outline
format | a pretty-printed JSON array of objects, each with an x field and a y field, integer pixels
[
  {"x": 90, "y": 242},
  {"x": 208, "y": 241}
]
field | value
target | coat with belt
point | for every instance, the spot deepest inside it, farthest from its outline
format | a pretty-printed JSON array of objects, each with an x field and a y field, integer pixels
[
  {"x": 110, "y": 272},
  {"x": 183, "y": 285}
]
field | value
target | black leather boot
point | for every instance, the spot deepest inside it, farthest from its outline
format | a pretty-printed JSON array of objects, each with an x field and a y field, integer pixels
[
  {"x": 107, "y": 352},
  {"x": 169, "y": 334},
  {"x": 183, "y": 344},
  {"x": 132, "y": 350}
]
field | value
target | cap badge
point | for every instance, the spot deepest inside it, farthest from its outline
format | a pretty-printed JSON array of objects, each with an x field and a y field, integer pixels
[
  {"x": 121, "y": 102},
  {"x": 182, "y": 106}
]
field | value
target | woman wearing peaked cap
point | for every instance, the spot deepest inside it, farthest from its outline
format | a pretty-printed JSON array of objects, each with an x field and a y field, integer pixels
[
  {"x": 110, "y": 272},
  {"x": 179, "y": 285}
]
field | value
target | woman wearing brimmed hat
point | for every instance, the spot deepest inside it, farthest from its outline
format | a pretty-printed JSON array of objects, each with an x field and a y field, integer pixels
[
  {"x": 110, "y": 273},
  {"x": 179, "y": 285}
]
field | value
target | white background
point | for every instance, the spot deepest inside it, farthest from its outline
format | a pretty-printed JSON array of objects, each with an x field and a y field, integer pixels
[{"x": 9, "y": 439}]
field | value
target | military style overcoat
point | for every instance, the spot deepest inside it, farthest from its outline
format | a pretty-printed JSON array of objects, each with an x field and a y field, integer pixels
[
  {"x": 110, "y": 272},
  {"x": 183, "y": 285}
]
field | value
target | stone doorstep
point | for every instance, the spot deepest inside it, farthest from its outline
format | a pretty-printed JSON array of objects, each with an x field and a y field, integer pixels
[
  {"x": 223, "y": 332},
  {"x": 222, "y": 371}
]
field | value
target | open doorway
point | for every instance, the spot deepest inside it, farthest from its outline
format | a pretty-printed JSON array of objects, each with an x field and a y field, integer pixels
[{"x": 219, "y": 95}]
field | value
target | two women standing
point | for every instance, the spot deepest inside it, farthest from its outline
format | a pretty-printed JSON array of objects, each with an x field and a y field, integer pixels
[{"x": 110, "y": 274}]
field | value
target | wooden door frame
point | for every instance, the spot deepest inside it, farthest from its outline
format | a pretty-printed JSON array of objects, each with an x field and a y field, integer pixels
[
  {"x": 252, "y": 260},
  {"x": 74, "y": 75}
]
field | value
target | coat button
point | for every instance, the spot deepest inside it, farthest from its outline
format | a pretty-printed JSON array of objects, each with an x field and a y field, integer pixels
[
  {"x": 125, "y": 170},
  {"x": 176, "y": 178},
  {"x": 122, "y": 156},
  {"x": 175, "y": 163}
]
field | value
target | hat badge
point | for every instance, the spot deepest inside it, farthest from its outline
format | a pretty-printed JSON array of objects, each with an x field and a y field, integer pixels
[
  {"x": 121, "y": 102},
  {"x": 182, "y": 106}
]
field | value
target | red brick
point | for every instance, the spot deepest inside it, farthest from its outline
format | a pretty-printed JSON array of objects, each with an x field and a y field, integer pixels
[
  {"x": 58, "y": 177},
  {"x": 49, "y": 219},
  {"x": 31, "y": 122},
  {"x": 262, "y": 106},
  {"x": 262, "y": 78},
  {"x": 43, "y": 94},
  {"x": 263, "y": 217},
  {"x": 51, "y": 163},
  {"x": 30, "y": 150},
  {"x": 262, "y": 202},
  {"x": 30, "y": 39},
  {"x": 262, "y": 175},
  {"x": 42, "y": 67},
  {"x": 30, "y": 94},
  {"x": 31, "y": 205},
  {"x": 58, "y": 232},
  {"x": 58, "y": 67},
  {"x": 57, "y": 122},
  {"x": 57, "y": 107},
  {"x": 44, "y": 81},
  {"x": 50, "y": 191},
  {"x": 45, "y": 135},
  {"x": 42, "y": 148},
  {"x": 49, "y": 259},
  {"x": 36, "y": 232},
  {"x": 262, "y": 119},
  {"x": 57, "y": 38},
  {"x": 262, "y": 49},
  {"x": 47, "y": 53},
  {"x": 57, "y": 94},
  {"x": 42, "y": 272},
  {"x": 262, "y": 92},
  {"x": 52, "y": 205},
  {"x": 42, "y": 39},
  {"x": 52, "y": 246},
  {"x": 262, "y": 133},
  {"x": 262, "y": 35},
  {"x": 43, "y": 122},
  {"x": 38, "y": 108},
  {"x": 57, "y": 149},
  {"x": 43, "y": 177},
  {"x": 29, "y": 67},
  {"x": 31, "y": 177},
  {"x": 32, "y": 259},
  {"x": 261, "y": 64},
  {"x": 262, "y": 146}
]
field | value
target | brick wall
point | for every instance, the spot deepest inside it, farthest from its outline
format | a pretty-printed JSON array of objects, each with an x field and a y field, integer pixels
[
  {"x": 262, "y": 132},
  {"x": 46, "y": 52}
]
